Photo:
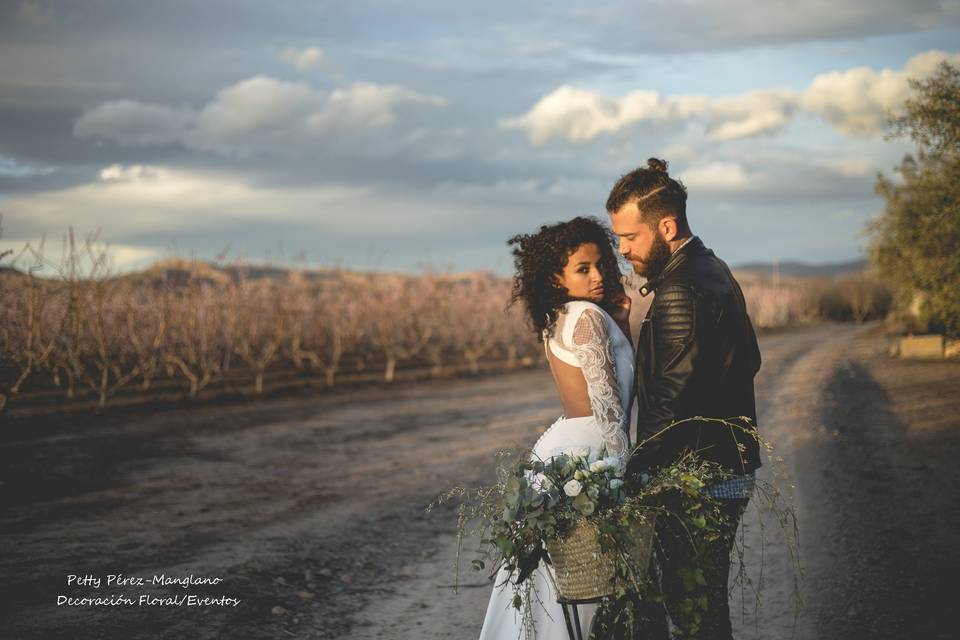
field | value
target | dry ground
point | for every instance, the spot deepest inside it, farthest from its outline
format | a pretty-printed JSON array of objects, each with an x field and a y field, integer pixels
[{"x": 312, "y": 510}]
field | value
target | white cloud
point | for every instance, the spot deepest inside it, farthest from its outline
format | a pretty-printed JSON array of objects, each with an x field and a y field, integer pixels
[
  {"x": 256, "y": 114},
  {"x": 303, "y": 59},
  {"x": 128, "y": 172},
  {"x": 752, "y": 114},
  {"x": 124, "y": 256},
  {"x": 134, "y": 123},
  {"x": 755, "y": 171},
  {"x": 330, "y": 221},
  {"x": 855, "y": 102},
  {"x": 858, "y": 101},
  {"x": 580, "y": 115},
  {"x": 364, "y": 105},
  {"x": 150, "y": 199},
  {"x": 120, "y": 257},
  {"x": 257, "y": 104}
]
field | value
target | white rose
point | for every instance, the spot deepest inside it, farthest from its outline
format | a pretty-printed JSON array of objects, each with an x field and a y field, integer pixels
[
  {"x": 612, "y": 461},
  {"x": 599, "y": 465},
  {"x": 572, "y": 488}
]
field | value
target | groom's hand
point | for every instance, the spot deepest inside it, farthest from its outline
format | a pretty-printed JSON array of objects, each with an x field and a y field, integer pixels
[
  {"x": 621, "y": 312},
  {"x": 623, "y": 303},
  {"x": 636, "y": 466}
]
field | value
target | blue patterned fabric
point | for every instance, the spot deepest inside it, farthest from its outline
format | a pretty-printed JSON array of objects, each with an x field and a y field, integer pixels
[{"x": 732, "y": 489}]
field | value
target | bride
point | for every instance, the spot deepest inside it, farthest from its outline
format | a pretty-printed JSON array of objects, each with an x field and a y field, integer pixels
[{"x": 569, "y": 282}]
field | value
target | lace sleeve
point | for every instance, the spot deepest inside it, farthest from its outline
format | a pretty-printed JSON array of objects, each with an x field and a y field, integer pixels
[{"x": 591, "y": 343}]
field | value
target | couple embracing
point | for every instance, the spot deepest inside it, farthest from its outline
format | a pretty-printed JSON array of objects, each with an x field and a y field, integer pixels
[{"x": 696, "y": 356}]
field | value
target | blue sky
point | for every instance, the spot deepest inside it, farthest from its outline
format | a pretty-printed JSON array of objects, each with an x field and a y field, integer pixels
[{"x": 394, "y": 134}]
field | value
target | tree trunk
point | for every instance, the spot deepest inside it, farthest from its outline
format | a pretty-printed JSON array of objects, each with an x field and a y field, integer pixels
[
  {"x": 147, "y": 379},
  {"x": 71, "y": 383},
  {"x": 104, "y": 379},
  {"x": 473, "y": 360}
]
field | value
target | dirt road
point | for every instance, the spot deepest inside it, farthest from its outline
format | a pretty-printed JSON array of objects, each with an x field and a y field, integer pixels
[{"x": 311, "y": 512}]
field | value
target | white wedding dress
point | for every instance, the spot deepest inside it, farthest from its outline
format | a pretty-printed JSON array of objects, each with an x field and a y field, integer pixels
[{"x": 584, "y": 336}]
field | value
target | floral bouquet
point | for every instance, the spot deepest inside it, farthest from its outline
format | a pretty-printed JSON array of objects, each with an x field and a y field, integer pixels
[
  {"x": 574, "y": 514},
  {"x": 547, "y": 502}
]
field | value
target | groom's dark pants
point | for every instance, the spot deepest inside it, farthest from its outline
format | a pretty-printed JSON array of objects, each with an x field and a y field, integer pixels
[{"x": 671, "y": 553}]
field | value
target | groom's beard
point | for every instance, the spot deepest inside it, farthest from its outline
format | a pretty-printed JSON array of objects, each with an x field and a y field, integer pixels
[{"x": 656, "y": 260}]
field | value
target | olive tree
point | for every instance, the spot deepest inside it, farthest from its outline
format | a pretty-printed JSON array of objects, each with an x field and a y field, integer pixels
[{"x": 915, "y": 243}]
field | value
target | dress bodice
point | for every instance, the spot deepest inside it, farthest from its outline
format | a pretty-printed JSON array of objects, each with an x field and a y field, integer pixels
[{"x": 587, "y": 337}]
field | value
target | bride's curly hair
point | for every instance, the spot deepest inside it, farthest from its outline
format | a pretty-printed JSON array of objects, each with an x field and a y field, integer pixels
[{"x": 539, "y": 257}]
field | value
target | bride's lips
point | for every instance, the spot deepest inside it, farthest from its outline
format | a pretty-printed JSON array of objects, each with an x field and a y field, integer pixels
[{"x": 597, "y": 290}]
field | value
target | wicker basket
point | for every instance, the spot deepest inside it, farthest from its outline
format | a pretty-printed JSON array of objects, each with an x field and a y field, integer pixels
[
  {"x": 581, "y": 570},
  {"x": 584, "y": 572}
]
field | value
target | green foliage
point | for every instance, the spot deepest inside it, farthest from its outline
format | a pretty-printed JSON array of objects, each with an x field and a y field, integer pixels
[
  {"x": 915, "y": 243},
  {"x": 536, "y": 502}
]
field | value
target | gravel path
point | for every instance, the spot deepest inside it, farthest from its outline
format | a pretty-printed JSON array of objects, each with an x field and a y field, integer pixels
[{"x": 311, "y": 512}]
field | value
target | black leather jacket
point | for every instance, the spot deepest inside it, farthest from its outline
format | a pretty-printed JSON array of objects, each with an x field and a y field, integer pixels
[{"x": 697, "y": 355}]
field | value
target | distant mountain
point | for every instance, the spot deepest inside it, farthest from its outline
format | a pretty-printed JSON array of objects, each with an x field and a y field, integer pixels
[
  {"x": 179, "y": 272},
  {"x": 791, "y": 269}
]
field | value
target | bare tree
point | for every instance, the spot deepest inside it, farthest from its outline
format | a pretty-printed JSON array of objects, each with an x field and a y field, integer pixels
[
  {"x": 192, "y": 347},
  {"x": 147, "y": 330},
  {"x": 478, "y": 302},
  {"x": 263, "y": 326},
  {"x": 25, "y": 340},
  {"x": 400, "y": 326}
]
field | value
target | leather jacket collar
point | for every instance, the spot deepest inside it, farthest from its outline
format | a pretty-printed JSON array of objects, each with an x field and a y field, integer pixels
[{"x": 694, "y": 245}]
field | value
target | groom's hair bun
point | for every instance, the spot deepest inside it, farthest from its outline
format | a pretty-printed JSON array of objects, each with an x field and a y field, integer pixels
[
  {"x": 657, "y": 194},
  {"x": 656, "y": 164}
]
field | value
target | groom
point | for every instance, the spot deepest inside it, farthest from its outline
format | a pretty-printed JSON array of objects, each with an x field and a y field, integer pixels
[{"x": 696, "y": 356}]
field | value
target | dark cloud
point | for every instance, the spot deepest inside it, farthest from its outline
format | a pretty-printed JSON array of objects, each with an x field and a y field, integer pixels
[
  {"x": 671, "y": 27},
  {"x": 127, "y": 83}
]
